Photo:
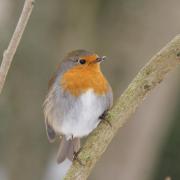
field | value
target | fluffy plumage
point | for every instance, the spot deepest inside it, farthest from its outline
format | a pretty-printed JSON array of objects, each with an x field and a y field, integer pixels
[{"x": 78, "y": 95}]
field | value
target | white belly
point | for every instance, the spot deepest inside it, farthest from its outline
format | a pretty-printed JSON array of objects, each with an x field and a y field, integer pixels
[{"x": 83, "y": 116}]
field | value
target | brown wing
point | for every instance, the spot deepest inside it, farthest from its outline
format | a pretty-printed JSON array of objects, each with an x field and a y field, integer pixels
[
  {"x": 51, "y": 134},
  {"x": 49, "y": 129},
  {"x": 52, "y": 79}
]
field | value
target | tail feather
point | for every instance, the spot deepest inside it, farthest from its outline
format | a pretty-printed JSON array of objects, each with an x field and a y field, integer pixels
[{"x": 67, "y": 149}]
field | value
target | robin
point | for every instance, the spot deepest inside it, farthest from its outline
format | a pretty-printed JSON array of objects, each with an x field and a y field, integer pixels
[{"x": 78, "y": 96}]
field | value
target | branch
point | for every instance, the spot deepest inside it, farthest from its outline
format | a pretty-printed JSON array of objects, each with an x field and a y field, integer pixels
[
  {"x": 15, "y": 40},
  {"x": 146, "y": 80}
]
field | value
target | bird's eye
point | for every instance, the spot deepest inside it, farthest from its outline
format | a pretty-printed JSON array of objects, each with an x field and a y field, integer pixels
[{"x": 82, "y": 61}]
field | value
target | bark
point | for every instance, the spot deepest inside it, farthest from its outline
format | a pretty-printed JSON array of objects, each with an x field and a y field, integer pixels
[
  {"x": 146, "y": 80},
  {"x": 14, "y": 42}
]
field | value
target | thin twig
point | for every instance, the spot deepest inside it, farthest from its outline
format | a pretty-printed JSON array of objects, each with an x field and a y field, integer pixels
[
  {"x": 14, "y": 42},
  {"x": 146, "y": 80}
]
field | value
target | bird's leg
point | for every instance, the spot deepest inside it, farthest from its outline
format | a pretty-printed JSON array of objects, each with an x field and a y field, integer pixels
[
  {"x": 76, "y": 153},
  {"x": 76, "y": 157},
  {"x": 103, "y": 118}
]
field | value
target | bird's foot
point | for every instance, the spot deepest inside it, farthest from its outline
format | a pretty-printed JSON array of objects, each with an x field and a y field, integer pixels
[
  {"x": 104, "y": 119},
  {"x": 77, "y": 158}
]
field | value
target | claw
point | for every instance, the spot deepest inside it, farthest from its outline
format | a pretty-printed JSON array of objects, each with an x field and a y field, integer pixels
[
  {"x": 103, "y": 118},
  {"x": 76, "y": 157}
]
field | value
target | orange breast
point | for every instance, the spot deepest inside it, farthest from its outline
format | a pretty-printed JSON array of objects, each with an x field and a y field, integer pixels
[{"x": 79, "y": 79}]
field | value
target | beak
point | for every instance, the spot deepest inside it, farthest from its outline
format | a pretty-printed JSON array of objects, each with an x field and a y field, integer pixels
[{"x": 100, "y": 59}]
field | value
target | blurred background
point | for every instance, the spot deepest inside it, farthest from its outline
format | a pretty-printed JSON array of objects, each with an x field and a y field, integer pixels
[{"x": 128, "y": 32}]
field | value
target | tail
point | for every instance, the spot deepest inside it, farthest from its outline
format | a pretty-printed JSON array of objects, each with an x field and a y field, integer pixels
[{"x": 67, "y": 149}]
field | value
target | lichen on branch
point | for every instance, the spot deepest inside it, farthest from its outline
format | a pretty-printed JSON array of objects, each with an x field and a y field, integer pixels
[{"x": 152, "y": 74}]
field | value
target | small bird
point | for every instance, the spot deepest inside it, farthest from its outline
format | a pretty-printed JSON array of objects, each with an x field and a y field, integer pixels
[{"x": 78, "y": 96}]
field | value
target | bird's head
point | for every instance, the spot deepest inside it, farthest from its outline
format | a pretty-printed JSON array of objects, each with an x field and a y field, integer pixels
[{"x": 83, "y": 59}]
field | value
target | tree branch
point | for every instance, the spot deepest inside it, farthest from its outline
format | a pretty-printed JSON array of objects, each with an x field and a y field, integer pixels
[
  {"x": 15, "y": 40},
  {"x": 146, "y": 80}
]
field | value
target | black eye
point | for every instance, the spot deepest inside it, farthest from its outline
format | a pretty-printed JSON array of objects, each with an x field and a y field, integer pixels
[{"x": 82, "y": 61}]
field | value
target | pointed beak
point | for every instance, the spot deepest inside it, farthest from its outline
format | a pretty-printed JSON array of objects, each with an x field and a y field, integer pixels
[{"x": 100, "y": 59}]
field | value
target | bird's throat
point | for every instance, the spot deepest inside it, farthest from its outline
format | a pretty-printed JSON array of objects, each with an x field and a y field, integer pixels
[{"x": 80, "y": 79}]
